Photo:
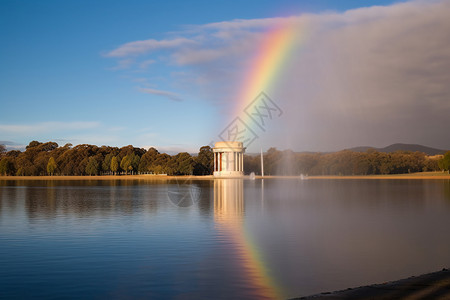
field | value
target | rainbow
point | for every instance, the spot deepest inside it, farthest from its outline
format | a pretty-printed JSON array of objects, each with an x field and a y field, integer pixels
[
  {"x": 229, "y": 217},
  {"x": 252, "y": 264},
  {"x": 268, "y": 63},
  {"x": 265, "y": 69}
]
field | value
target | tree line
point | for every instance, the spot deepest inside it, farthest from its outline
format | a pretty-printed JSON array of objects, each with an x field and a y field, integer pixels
[
  {"x": 50, "y": 159},
  {"x": 345, "y": 162}
]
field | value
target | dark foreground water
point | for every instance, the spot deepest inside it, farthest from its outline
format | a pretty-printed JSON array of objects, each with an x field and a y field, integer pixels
[{"x": 220, "y": 239}]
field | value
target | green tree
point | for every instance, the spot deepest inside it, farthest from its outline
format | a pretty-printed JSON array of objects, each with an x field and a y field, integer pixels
[
  {"x": 51, "y": 166},
  {"x": 135, "y": 160},
  {"x": 92, "y": 166},
  {"x": 130, "y": 163},
  {"x": 147, "y": 160},
  {"x": 114, "y": 164},
  {"x": 161, "y": 164},
  {"x": 204, "y": 162},
  {"x": 125, "y": 163},
  {"x": 106, "y": 164},
  {"x": 444, "y": 163},
  {"x": 181, "y": 164}
]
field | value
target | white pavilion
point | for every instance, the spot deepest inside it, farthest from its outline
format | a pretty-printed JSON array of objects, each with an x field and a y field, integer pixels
[{"x": 229, "y": 159}]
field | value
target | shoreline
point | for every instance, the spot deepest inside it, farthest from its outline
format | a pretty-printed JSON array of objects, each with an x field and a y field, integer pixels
[
  {"x": 424, "y": 175},
  {"x": 435, "y": 285}
]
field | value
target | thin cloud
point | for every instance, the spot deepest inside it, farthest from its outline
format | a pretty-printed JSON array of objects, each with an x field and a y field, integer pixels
[
  {"x": 142, "y": 47},
  {"x": 169, "y": 95},
  {"x": 244, "y": 24}
]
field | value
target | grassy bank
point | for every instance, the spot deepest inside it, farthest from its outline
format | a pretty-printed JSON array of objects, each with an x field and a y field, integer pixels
[
  {"x": 106, "y": 177},
  {"x": 420, "y": 175}
]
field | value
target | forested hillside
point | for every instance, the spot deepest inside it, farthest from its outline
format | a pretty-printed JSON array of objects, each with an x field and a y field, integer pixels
[
  {"x": 345, "y": 162},
  {"x": 51, "y": 159}
]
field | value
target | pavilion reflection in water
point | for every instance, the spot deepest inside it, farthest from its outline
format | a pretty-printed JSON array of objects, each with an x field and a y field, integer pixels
[{"x": 228, "y": 200}]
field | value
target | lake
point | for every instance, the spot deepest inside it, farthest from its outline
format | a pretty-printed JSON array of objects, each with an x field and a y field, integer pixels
[{"x": 221, "y": 239}]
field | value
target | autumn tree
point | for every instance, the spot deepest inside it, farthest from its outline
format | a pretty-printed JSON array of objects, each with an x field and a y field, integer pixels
[
  {"x": 125, "y": 163},
  {"x": 106, "y": 163},
  {"x": 6, "y": 166},
  {"x": 33, "y": 144},
  {"x": 51, "y": 166},
  {"x": 114, "y": 165},
  {"x": 92, "y": 166},
  {"x": 146, "y": 163},
  {"x": 2, "y": 150},
  {"x": 444, "y": 163}
]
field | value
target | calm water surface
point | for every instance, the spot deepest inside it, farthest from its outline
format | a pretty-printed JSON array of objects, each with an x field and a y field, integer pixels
[{"x": 217, "y": 239}]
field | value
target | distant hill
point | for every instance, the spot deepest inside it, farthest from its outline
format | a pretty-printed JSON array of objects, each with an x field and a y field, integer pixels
[
  {"x": 391, "y": 148},
  {"x": 402, "y": 147}
]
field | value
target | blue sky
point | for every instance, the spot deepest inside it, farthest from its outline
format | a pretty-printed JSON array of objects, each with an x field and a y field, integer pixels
[{"x": 60, "y": 79}]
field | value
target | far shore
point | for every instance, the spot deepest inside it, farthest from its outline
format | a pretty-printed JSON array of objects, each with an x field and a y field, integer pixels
[{"x": 422, "y": 175}]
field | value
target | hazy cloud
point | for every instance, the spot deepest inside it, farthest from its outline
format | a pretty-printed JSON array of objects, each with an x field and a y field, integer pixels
[
  {"x": 170, "y": 95},
  {"x": 10, "y": 145},
  {"x": 146, "y": 63},
  {"x": 22, "y": 134},
  {"x": 123, "y": 64},
  {"x": 8, "y": 129},
  {"x": 173, "y": 150},
  {"x": 373, "y": 76}
]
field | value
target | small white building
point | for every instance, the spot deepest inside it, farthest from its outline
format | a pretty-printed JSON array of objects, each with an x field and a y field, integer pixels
[{"x": 229, "y": 159}]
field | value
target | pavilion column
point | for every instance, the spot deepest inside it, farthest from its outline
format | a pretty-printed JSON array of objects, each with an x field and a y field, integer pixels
[
  {"x": 214, "y": 153},
  {"x": 238, "y": 162},
  {"x": 241, "y": 160},
  {"x": 225, "y": 161}
]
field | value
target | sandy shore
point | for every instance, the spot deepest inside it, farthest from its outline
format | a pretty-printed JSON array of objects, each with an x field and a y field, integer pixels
[
  {"x": 424, "y": 175},
  {"x": 107, "y": 177},
  {"x": 428, "y": 286}
]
